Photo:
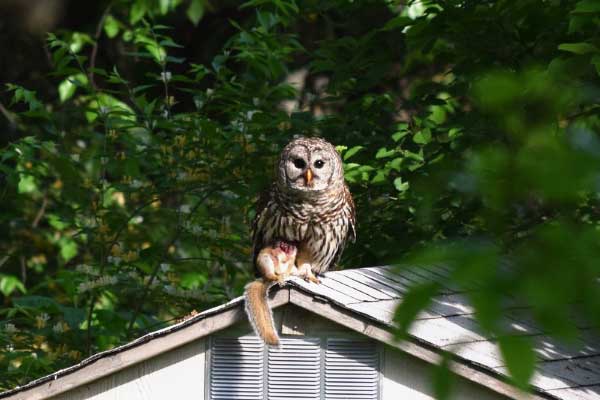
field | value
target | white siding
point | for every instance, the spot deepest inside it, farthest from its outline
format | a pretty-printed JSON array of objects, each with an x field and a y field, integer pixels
[
  {"x": 175, "y": 375},
  {"x": 406, "y": 377}
]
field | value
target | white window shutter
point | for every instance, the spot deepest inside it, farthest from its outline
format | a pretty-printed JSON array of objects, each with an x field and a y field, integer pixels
[
  {"x": 236, "y": 368},
  {"x": 302, "y": 368},
  {"x": 351, "y": 370},
  {"x": 294, "y": 369}
]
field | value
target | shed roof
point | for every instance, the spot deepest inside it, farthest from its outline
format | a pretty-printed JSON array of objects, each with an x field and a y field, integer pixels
[{"x": 364, "y": 300}]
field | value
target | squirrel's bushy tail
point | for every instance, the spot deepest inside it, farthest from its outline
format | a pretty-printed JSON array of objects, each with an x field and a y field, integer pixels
[{"x": 258, "y": 311}]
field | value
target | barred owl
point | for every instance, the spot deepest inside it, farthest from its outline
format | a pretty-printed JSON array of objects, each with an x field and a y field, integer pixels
[{"x": 309, "y": 205}]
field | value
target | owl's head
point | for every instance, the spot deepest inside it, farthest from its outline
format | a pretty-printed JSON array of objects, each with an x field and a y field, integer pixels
[{"x": 310, "y": 165}]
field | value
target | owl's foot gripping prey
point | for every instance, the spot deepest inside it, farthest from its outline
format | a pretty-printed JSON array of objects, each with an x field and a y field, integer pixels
[{"x": 305, "y": 271}]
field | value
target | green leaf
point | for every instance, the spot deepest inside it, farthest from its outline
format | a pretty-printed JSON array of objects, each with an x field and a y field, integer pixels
[
  {"x": 10, "y": 283},
  {"x": 578, "y": 48},
  {"x": 414, "y": 301},
  {"x": 596, "y": 63},
  {"x": 396, "y": 164},
  {"x": 55, "y": 222},
  {"x": 27, "y": 184},
  {"x": 73, "y": 316},
  {"x": 379, "y": 177},
  {"x": 384, "y": 153},
  {"x": 443, "y": 378},
  {"x": 401, "y": 186},
  {"x": 36, "y": 302},
  {"x": 78, "y": 40},
  {"x": 423, "y": 136},
  {"x": 195, "y": 11},
  {"x": 137, "y": 11},
  {"x": 164, "y": 6},
  {"x": 400, "y": 134},
  {"x": 352, "y": 152},
  {"x": 587, "y": 7},
  {"x": 68, "y": 248},
  {"x": 518, "y": 354},
  {"x": 397, "y": 22},
  {"x": 111, "y": 26},
  {"x": 67, "y": 88}
]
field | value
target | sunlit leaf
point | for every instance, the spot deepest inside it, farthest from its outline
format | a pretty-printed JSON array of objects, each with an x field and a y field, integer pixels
[
  {"x": 27, "y": 184},
  {"x": 195, "y": 11},
  {"x": 578, "y": 48},
  {"x": 138, "y": 10},
  {"x": 520, "y": 359},
  {"x": 443, "y": 379},
  {"x": 9, "y": 284},
  {"x": 111, "y": 26},
  {"x": 352, "y": 152},
  {"x": 413, "y": 302},
  {"x": 67, "y": 88},
  {"x": 423, "y": 136}
]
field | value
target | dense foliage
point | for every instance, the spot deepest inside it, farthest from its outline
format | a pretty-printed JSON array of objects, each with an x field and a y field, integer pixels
[{"x": 138, "y": 136}]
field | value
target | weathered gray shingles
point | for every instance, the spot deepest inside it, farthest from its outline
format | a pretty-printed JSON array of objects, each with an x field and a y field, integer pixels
[
  {"x": 395, "y": 285},
  {"x": 449, "y": 324},
  {"x": 549, "y": 349},
  {"x": 444, "y": 331},
  {"x": 412, "y": 276},
  {"x": 364, "y": 285},
  {"x": 345, "y": 289},
  {"x": 382, "y": 311},
  {"x": 578, "y": 393},
  {"x": 324, "y": 291},
  {"x": 388, "y": 273},
  {"x": 452, "y": 304},
  {"x": 582, "y": 371}
]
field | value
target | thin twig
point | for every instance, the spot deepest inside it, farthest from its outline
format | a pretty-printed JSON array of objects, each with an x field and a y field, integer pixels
[
  {"x": 584, "y": 113},
  {"x": 40, "y": 213},
  {"x": 164, "y": 76},
  {"x": 11, "y": 119},
  {"x": 95, "y": 48},
  {"x": 23, "y": 270}
]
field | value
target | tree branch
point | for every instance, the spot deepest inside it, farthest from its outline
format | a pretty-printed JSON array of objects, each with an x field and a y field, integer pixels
[{"x": 95, "y": 48}]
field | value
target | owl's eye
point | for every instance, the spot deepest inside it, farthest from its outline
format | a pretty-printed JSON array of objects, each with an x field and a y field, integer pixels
[
  {"x": 319, "y": 163},
  {"x": 299, "y": 163}
]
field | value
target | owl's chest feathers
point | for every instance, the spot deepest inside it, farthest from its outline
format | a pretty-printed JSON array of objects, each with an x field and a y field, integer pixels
[{"x": 305, "y": 221}]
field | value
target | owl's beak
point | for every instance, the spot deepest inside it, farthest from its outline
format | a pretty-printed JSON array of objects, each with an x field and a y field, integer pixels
[{"x": 308, "y": 176}]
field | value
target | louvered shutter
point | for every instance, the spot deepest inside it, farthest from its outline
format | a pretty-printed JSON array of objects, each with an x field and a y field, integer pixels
[
  {"x": 351, "y": 369},
  {"x": 295, "y": 370},
  {"x": 236, "y": 368}
]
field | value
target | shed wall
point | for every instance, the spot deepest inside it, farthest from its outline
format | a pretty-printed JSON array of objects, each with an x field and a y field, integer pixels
[
  {"x": 406, "y": 377},
  {"x": 175, "y": 375},
  {"x": 181, "y": 373}
]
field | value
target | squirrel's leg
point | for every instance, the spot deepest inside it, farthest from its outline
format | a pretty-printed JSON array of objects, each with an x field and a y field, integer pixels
[
  {"x": 304, "y": 265},
  {"x": 267, "y": 265}
]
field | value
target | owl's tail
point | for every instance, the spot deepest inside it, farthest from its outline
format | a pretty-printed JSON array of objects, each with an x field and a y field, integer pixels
[{"x": 258, "y": 311}]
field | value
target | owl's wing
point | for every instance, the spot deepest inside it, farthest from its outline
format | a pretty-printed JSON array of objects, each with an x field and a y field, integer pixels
[
  {"x": 261, "y": 207},
  {"x": 351, "y": 233},
  {"x": 352, "y": 216}
]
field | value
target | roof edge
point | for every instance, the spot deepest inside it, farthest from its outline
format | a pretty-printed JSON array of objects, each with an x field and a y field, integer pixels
[{"x": 110, "y": 361}]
